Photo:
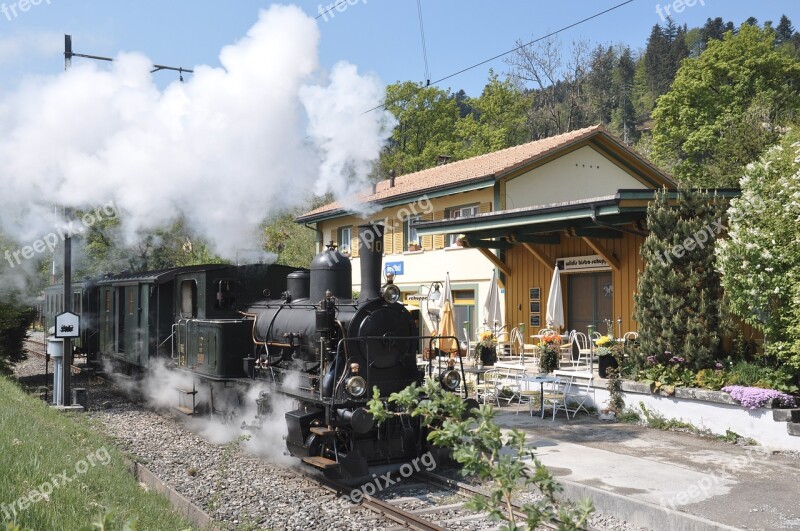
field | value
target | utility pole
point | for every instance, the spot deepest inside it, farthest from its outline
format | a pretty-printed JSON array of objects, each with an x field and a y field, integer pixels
[{"x": 66, "y": 397}]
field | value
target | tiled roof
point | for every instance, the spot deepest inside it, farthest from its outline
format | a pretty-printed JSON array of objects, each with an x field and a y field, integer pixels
[{"x": 483, "y": 167}]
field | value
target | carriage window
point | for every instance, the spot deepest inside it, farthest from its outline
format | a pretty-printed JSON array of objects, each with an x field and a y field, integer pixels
[
  {"x": 130, "y": 301},
  {"x": 76, "y": 303},
  {"x": 108, "y": 305},
  {"x": 188, "y": 298}
]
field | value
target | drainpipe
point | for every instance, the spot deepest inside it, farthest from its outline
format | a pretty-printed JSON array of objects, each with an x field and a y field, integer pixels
[{"x": 319, "y": 240}]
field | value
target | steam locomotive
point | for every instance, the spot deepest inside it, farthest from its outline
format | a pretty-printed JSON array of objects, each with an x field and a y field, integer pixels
[{"x": 315, "y": 344}]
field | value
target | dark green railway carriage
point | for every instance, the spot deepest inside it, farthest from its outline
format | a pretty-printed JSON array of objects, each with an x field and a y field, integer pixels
[{"x": 139, "y": 313}]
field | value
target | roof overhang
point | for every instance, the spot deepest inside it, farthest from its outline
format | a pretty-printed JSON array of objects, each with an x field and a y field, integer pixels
[
  {"x": 480, "y": 183},
  {"x": 607, "y": 212}
]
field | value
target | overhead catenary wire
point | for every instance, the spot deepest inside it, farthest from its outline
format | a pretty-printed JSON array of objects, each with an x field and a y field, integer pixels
[
  {"x": 330, "y": 8},
  {"x": 424, "y": 47},
  {"x": 520, "y": 47}
]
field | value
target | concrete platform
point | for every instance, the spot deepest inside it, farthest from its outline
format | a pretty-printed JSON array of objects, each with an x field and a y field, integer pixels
[{"x": 665, "y": 480}]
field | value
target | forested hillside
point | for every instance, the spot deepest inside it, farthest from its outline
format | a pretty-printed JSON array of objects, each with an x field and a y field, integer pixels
[{"x": 741, "y": 79}]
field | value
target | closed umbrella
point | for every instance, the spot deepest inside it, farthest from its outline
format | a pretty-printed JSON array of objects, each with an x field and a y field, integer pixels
[
  {"x": 447, "y": 325},
  {"x": 491, "y": 308},
  {"x": 555, "y": 307}
]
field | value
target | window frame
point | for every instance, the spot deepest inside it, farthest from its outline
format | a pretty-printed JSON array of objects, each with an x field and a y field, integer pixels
[
  {"x": 344, "y": 243},
  {"x": 462, "y": 211},
  {"x": 407, "y": 230}
]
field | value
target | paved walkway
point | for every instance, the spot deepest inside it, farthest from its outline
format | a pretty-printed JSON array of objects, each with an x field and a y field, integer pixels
[{"x": 665, "y": 480}]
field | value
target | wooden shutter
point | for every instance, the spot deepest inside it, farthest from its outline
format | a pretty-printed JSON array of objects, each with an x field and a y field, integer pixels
[
  {"x": 438, "y": 239},
  {"x": 427, "y": 241},
  {"x": 483, "y": 208},
  {"x": 332, "y": 237},
  {"x": 354, "y": 241},
  {"x": 397, "y": 239}
]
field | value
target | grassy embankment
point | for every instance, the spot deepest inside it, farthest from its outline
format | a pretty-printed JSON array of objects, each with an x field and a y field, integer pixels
[{"x": 57, "y": 473}]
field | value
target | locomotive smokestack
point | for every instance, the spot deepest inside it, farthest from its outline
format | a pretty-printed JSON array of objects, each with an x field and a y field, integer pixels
[{"x": 370, "y": 250}]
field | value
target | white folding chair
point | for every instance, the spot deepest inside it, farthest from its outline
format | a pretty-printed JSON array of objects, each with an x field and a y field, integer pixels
[
  {"x": 584, "y": 349},
  {"x": 468, "y": 345},
  {"x": 529, "y": 393},
  {"x": 580, "y": 392},
  {"x": 630, "y": 336},
  {"x": 509, "y": 385},
  {"x": 556, "y": 396},
  {"x": 487, "y": 389}
]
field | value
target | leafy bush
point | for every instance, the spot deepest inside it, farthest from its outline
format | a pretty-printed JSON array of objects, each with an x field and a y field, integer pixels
[
  {"x": 15, "y": 319},
  {"x": 484, "y": 450}
]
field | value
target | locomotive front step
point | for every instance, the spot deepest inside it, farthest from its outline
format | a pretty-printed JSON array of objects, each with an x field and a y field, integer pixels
[
  {"x": 323, "y": 463},
  {"x": 185, "y": 410},
  {"x": 322, "y": 431}
]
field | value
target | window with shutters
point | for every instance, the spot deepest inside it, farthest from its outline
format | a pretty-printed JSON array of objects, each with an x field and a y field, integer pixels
[
  {"x": 459, "y": 212},
  {"x": 344, "y": 235},
  {"x": 410, "y": 231}
]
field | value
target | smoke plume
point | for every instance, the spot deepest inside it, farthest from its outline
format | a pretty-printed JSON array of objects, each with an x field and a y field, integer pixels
[{"x": 225, "y": 149}]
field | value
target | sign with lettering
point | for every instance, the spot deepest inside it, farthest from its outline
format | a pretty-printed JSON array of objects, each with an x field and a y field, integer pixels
[
  {"x": 573, "y": 264},
  {"x": 394, "y": 267},
  {"x": 67, "y": 325}
]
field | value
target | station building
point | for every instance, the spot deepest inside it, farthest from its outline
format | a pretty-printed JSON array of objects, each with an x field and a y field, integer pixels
[{"x": 575, "y": 201}]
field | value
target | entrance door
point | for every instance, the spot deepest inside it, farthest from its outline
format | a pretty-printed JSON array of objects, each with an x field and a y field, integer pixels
[{"x": 591, "y": 301}]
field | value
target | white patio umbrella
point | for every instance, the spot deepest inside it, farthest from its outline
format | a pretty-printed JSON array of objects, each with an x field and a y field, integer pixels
[
  {"x": 491, "y": 308},
  {"x": 555, "y": 306}
]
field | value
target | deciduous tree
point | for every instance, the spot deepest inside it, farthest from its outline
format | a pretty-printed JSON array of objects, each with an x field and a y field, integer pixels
[{"x": 725, "y": 107}]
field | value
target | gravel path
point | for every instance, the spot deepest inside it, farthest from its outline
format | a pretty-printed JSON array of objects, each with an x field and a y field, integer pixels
[{"x": 241, "y": 490}]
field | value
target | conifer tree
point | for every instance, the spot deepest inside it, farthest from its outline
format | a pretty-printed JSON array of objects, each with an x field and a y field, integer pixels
[{"x": 678, "y": 300}]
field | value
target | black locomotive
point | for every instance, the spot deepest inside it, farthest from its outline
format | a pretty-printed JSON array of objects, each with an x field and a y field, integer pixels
[{"x": 315, "y": 344}]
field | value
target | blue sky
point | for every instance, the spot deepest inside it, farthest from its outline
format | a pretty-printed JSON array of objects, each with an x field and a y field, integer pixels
[{"x": 379, "y": 36}]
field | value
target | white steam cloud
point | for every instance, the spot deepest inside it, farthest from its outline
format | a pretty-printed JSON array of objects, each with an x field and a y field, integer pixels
[{"x": 225, "y": 149}]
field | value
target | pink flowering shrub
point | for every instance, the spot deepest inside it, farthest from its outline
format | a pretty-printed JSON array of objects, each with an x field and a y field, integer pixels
[{"x": 755, "y": 397}]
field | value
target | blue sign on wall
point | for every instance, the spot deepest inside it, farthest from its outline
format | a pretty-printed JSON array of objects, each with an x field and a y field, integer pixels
[{"x": 394, "y": 267}]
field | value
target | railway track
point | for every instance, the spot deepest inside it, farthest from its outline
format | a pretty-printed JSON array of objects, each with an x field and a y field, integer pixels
[
  {"x": 441, "y": 507},
  {"x": 39, "y": 348}
]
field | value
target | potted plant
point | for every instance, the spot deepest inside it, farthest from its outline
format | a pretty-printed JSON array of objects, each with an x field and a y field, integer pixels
[
  {"x": 607, "y": 351},
  {"x": 486, "y": 349},
  {"x": 413, "y": 246},
  {"x": 548, "y": 353}
]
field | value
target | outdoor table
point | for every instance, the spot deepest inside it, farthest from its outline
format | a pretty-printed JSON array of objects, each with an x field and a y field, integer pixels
[
  {"x": 541, "y": 380},
  {"x": 563, "y": 337},
  {"x": 478, "y": 372}
]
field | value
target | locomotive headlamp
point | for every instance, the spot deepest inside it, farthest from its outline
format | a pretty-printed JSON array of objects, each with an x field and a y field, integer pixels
[
  {"x": 390, "y": 293},
  {"x": 356, "y": 386},
  {"x": 450, "y": 380}
]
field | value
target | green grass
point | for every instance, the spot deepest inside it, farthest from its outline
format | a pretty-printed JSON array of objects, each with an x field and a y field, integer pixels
[{"x": 40, "y": 448}]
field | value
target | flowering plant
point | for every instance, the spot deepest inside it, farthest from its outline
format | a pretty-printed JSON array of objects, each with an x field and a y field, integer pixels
[
  {"x": 607, "y": 345},
  {"x": 755, "y": 397},
  {"x": 486, "y": 349},
  {"x": 487, "y": 339},
  {"x": 548, "y": 352}
]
